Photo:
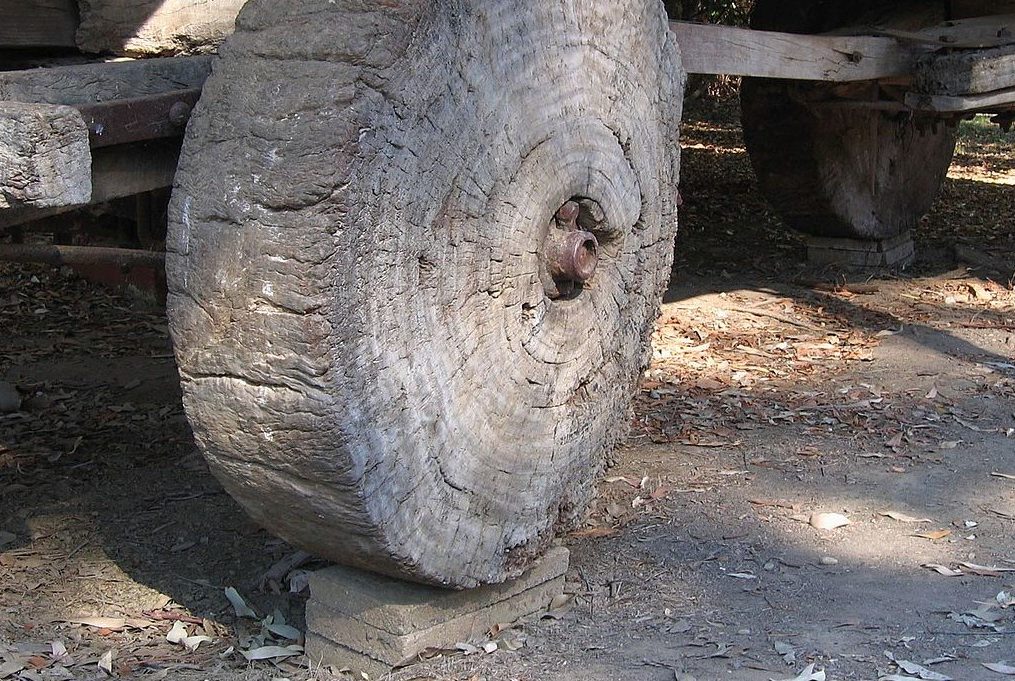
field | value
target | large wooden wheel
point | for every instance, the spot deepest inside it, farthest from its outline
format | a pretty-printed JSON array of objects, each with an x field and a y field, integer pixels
[
  {"x": 415, "y": 255},
  {"x": 847, "y": 171}
]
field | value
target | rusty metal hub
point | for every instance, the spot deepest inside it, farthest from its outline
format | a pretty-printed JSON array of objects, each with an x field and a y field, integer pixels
[{"x": 571, "y": 253}]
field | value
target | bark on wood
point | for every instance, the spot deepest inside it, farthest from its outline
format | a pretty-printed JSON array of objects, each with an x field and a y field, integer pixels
[
  {"x": 147, "y": 28},
  {"x": 837, "y": 172},
  {"x": 369, "y": 359},
  {"x": 92, "y": 83},
  {"x": 44, "y": 156},
  {"x": 967, "y": 72},
  {"x": 37, "y": 23},
  {"x": 732, "y": 51}
]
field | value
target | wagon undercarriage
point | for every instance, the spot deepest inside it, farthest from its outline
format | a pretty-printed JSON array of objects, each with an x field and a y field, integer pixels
[{"x": 415, "y": 252}]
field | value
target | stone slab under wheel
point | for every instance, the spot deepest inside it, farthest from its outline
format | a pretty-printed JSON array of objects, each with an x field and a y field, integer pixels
[{"x": 370, "y": 623}]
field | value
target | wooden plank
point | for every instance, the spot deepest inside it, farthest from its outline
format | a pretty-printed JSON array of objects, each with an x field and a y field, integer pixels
[
  {"x": 146, "y": 28},
  {"x": 711, "y": 49},
  {"x": 116, "y": 172},
  {"x": 38, "y": 23},
  {"x": 44, "y": 156},
  {"x": 1003, "y": 99},
  {"x": 982, "y": 32},
  {"x": 967, "y": 72},
  {"x": 103, "y": 82}
]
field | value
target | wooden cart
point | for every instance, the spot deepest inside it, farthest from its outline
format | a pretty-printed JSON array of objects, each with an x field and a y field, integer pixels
[{"x": 416, "y": 249}]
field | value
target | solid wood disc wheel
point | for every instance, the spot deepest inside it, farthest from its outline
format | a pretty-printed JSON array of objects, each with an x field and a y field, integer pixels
[
  {"x": 835, "y": 171},
  {"x": 416, "y": 252}
]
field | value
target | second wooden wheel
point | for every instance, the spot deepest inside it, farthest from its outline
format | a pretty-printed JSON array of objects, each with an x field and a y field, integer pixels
[
  {"x": 415, "y": 255},
  {"x": 841, "y": 171}
]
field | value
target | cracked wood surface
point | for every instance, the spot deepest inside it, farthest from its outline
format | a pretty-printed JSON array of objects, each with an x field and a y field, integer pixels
[
  {"x": 369, "y": 360},
  {"x": 44, "y": 156},
  {"x": 149, "y": 28}
]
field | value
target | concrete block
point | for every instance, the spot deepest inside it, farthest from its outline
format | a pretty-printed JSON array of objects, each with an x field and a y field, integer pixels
[{"x": 370, "y": 623}]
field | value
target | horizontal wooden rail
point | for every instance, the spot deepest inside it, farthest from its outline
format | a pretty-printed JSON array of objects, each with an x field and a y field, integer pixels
[{"x": 724, "y": 50}]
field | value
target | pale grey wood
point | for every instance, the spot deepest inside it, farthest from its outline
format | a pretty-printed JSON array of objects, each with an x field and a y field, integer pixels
[
  {"x": 116, "y": 172},
  {"x": 712, "y": 49},
  {"x": 369, "y": 360},
  {"x": 979, "y": 32},
  {"x": 964, "y": 72},
  {"x": 146, "y": 28},
  {"x": 961, "y": 104},
  {"x": 101, "y": 82},
  {"x": 37, "y": 23},
  {"x": 44, "y": 156}
]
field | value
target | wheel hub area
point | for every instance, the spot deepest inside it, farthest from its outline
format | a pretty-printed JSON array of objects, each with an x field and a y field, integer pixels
[{"x": 570, "y": 253}]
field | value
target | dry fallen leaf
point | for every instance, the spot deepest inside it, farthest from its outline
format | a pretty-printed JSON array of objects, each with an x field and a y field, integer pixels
[
  {"x": 943, "y": 570},
  {"x": 106, "y": 662},
  {"x": 984, "y": 571},
  {"x": 177, "y": 633},
  {"x": 1000, "y": 668},
  {"x": 111, "y": 623},
  {"x": 271, "y": 652},
  {"x": 920, "y": 671},
  {"x": 808, "y": 674},
  {"x": 903, "y": 518},
  {"x": 239, "y": 605},
  {"x": 933, "y": 535},
  {"x": 596, "y": 533},
  {"x": 828, "y": 521}
]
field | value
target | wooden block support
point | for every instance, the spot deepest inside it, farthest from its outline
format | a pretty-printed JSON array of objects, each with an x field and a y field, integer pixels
[
  {"x": 861, "y": 256},
  {"x": 967, "y": 72},
  {"x": 37, "y": 23},
  {"x": 150, "y": 28},
  {"x": 44, "y": 156},
  {"x": 369, "y": 623}
]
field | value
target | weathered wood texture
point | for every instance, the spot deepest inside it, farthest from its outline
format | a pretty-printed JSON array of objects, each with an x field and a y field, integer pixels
[
  {"x": 974, "y": 33},
  {"x": 833, "y": 172},
  {"x": 103, "y": 82},
  {"x": 37, "y": 23},
  {"x": 967, "y": 72},
  {"x": 146, "y": 28},
  {"x": 44, "y": 157},
  {"x": 115, "y": 173},
  {"x": 369, "y": 359},
  {"x": 733, "y": 51},
  {"x": 991, "y": 101}
]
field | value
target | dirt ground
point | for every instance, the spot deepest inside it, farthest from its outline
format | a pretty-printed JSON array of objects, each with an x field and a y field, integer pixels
[{"x": 777, "y": 394}]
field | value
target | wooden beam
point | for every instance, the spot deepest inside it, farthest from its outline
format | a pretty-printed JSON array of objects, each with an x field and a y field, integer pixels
[
  {"x": 712, "y": 49},
  {"x": 981, "y": 32},
  {"x": 149, "y": 28},
  {"x": 967, "y": 72},
  {"x": 44, "y": 156},
  {"x": 1003, "y": 99},
  {"x": 103, "y": 82},
  {"x": 116, "y": 172},
  {"x": 38, "y": 23}
]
